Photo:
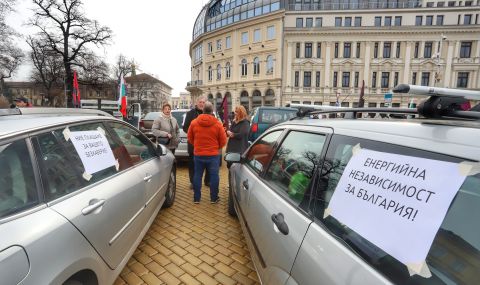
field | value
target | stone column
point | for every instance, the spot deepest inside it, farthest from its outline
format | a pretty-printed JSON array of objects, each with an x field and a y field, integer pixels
[
  {"x": 408, "y": 59},
  {"x": 448, "y": 64},
  {"x": 328, "y": 58},
  {"x": 289, "y": 66},
  {"x": 366, "y": 68}
]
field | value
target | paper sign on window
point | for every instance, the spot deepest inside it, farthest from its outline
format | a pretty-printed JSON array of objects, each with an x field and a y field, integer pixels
[
  {"x": 93, "y": 149},
  {"x": 397, "y": 202}
]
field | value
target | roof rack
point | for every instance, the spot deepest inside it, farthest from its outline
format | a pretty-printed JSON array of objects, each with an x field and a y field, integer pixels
[
  {"x": 52, "y": 111},
  {"x": 350, "y": 113}
]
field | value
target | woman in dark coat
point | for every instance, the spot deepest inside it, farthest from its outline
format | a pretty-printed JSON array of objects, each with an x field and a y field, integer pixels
[{"x": 238, "y": 132}]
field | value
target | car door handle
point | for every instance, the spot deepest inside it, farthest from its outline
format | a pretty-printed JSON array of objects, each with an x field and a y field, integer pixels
[
  {"x": 279, "y": 221},
  {"x": 147, "y": 177},
  {"x": 93, "y": 205},
  {"x": 245, "y": 185}
]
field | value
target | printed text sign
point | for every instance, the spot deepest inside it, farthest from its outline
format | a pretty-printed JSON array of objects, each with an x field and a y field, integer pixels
[{"x": 93, "y": 149}]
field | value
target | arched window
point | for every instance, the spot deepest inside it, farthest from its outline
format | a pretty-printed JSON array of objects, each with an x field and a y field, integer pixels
[
  {"x": 269, "y": 64},
  {"x": 210, "y": 73},
  {"x": 256, "y": 66},
  {"x": 244, "y": 67},
  {"x": 227, "y": 70},
  {"x": 219, "y": 72}
]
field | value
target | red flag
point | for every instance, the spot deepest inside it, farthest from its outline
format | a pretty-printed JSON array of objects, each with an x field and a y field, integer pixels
[
  {"x": 225, "y": 112},
  {"x": 75, "y": 91}
]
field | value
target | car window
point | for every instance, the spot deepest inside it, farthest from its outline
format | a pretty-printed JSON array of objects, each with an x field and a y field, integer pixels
[
  {"x": 453, "y": 258},
  {"x": 275, "y": 116},
  {"x": 137, "y": 145},
  {"x": 152, "y": 116},
  {"x": 294, "y": 164},
  {"x": 17, "y": 181},
  {"x": 180, "y": 117},
  {"x": 261, "y": 152}
]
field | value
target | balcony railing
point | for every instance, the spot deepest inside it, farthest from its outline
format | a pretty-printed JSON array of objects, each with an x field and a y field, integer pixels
[
  {"x": 355, "y": 6},
  {"x": 195, "y": 83}
]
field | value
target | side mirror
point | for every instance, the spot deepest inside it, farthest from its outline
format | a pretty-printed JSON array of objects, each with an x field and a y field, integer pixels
[
  {"x": 233, "y": 157},
  {"x": 161, "y": 150}
]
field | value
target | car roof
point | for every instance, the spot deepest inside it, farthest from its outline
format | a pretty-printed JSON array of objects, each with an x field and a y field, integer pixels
[
  {"x": 180, "y": 110},
  {"x": 452, "y": 137},
  {"x": 276, "y": 108}
]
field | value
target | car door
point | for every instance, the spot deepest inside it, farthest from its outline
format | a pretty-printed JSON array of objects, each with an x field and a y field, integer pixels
[
  {"x": 277, "y": 212},
  {"x": 104, "y": 207},
  {"x": 154, "y": 170}
]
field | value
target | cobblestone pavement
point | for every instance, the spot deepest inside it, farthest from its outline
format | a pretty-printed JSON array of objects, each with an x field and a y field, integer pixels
[{"x": 192, "y": 244}]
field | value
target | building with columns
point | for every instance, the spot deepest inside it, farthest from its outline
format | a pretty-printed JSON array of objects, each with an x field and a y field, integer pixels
[
  {"x": 269, "y": 52},
  {"x": 182, "y": 101}
]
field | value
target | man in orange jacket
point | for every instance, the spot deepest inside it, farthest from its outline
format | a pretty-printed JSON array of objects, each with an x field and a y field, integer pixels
[{"x": 207, "y": 136}]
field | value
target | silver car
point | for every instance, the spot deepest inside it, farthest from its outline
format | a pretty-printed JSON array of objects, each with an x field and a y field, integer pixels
[
  {"x": 78, "y": 191},
  {"x": 312, "y": 211},
  {"x": 181, "y": 152}
]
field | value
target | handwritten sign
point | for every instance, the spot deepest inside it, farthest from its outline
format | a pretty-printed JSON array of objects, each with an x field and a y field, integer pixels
[
  {"x": 93, "y": 149},
  {"x": 397, "y": 202}
]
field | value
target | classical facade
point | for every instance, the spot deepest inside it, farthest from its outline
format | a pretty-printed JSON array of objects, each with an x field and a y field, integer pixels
[
  {"x": 149, "y": 91},
  {"x": 183, "y": 101},
  {"x": 268, "y": 52}
]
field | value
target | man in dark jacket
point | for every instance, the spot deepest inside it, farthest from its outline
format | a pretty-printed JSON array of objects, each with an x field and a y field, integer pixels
[{"x": 189, "y": 117}]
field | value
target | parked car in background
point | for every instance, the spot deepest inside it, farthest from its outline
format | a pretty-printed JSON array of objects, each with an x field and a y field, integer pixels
[
  {"x": 262, "y": 118},
  {"x": 78, "y": 191},
  {"x": 182, "y": 150},
  {"x": 146, "y": 124}
]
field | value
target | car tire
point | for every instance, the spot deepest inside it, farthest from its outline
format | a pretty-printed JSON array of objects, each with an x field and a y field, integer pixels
[
  {"x": 231, "y": 205},
  {"x": 171, "y": 190}
]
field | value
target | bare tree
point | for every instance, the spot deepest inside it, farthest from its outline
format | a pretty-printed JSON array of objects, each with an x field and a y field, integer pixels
[
  {"x": 48, "y": 67},
  {"x": 123, "y": 66},
  {"x": 68, "y": 32},
  {"x": 95, "y": 71}
]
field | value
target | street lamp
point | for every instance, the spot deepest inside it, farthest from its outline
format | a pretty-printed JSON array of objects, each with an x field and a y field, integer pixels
[{"x": 437, "y": 77}]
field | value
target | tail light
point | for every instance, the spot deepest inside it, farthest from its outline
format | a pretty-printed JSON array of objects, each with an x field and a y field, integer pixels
[
  {"x": 254, "y": 128},
  {"x": 142, "y": 125}
]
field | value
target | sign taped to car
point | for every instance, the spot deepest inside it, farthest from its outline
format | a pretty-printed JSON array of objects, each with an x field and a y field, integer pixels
[
  {"x": 396, "y": 202},
  {"x": 93, "y": 149}
]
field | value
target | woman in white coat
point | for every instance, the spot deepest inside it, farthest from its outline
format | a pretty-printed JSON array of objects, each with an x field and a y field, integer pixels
[{"x": 166, "y": 129}]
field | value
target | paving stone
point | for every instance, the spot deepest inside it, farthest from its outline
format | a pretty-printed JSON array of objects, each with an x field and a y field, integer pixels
[
  {"x": 227, "y": 270},
  {"x": 242, "y": 279},
  {"x": 155, "y": 268},
  {"x": 138, "y": 269},
  {"x": 208, "y": 269},
  {"x": 224, "y": 279},
  {"x": 189, "y": 280},
  {"x": 151, "y": 279},
  {"x": 206, "y": 280},
  {"x": 132, "y": 279},
  {"x": 191, "y": 269},
  {"x": 175, "y": 270}
]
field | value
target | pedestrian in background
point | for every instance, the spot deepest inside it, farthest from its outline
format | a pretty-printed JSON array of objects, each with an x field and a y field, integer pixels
[
  {"x": 238, "y": 132},
  {"x": 189, "y": 117},
  {"x": 207, "y": 136},
  {"x": 166, "y": 129}
]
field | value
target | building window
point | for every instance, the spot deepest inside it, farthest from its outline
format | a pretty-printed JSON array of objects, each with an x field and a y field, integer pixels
[
  {"x": 427, "y": 51},
  {"x": 465, "y": 49},
  {"x": 228, "y": 42},
  {"x": 308, "y": 50},
  {"x": 210, "y": 48},
  {"x": 297, "y": 51},
  {"x": 417, "y": 47},
  {"x": 319, "y": 50},
  {"x": 374, "y": 79},
  {"x": 346, "y": 79},
  {"x": 338, "y": 21},
  {"x": 358, "y": 21},
  {"x": 219, "y": 72},
  {"x": 336, "y": 50},
  {"x": 317, "y": 79},
  {"x": 219, "y": 44},
  {"x": 429, "y": 4},
  {"x": 256, "y": 66},
  {"x": 335, "y": 78},
  {"x": 398, "y": 20},
  {"x": 429, "y": 20},
  {"x": 397, "y": 54},
  {"x": 418, "y": 20},
  {"x": 318, "y": 22},
  {"x": 309, "y": 22},
  {"x": 467, "y": 19},
  {"x": 439, "y": 20},
  {"x": 378, "y": 21},
  {"x": 244, "y": 38},
  {"x": 227, "y": 70},
  {"x": 440, "y": 4},
  {"x": 425, "y": 78},
  {"x": 414, "y": 78},
  {"x": 347, "y": 47},
  {"x": 357, "y": 75},
  {"x": 210, "y": 75},
  {"x": 375, "y": 51},
  {"x": 462, "y": 80},
  {"x": 269, "y": 64},
  {"x": 385, "y": 79},
  {"x": 257, "y": 36},
  {"x": 451, "y": 3},
  {"x": 387, "y": 48},
  {"x": 270, "y": 32},
  {"x": 388, "y": 21},
  {"x": 244, "y": 67},
  {"x": 395, "y": 79},
  {"x": 299, "y": 23},
  {"x": 358, "y": 51},
  {"x": 348, "y": 21},
  {"x": 297, "y": 74},
  {"x": 307, "y": 79}
]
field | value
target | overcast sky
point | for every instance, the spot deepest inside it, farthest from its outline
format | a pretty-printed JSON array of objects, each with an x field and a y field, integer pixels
[{"x": 156, "y": 33}]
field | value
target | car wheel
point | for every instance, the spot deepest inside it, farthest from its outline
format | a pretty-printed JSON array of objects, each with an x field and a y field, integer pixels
[
  {"x": 171, "y": 190},
  {"x": 231, "y": 206}
]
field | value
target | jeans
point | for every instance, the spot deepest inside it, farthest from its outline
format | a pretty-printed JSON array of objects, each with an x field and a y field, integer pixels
[
  {"x": 191, "y": 170},
  {"x": 210, "y": 163}
]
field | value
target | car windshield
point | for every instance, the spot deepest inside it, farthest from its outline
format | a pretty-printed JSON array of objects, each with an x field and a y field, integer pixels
[
  {"x": 179, "y": 116},
  {"x": 152, "y": 116},
  {"x": 275, "y": 116}
]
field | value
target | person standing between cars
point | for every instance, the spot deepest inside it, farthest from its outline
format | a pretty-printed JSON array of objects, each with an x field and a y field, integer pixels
[
  {"x": 238, "y": 133},
  {"x": 207, "y": 136},
  {"x": 189, "y": 117},
  {"x": 166, "y": 127}
]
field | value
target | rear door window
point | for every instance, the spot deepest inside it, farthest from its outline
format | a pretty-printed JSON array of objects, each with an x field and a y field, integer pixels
[
  {"x": 18, "y": 190},
  {"x": 453, "y": 258},
  {"x": 275, "y": 116}
]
